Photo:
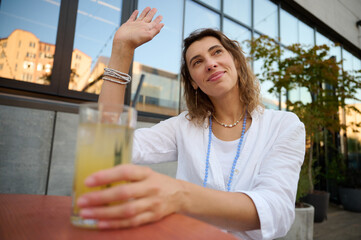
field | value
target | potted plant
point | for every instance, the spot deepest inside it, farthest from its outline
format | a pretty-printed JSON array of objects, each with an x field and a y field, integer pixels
[{"x": 350, "y": 190}]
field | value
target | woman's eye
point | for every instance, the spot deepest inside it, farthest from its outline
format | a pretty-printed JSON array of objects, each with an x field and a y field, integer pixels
[
  {"x": 218, "y": 52},
  {"x": 196, "y": 62}
]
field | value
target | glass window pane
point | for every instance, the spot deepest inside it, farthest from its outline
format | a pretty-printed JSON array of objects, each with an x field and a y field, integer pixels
[
  {"x": 298, "y": 93},
  {"x": 236, "y": 32},
  {"x": 239, "y": 9},
  {"x": 306, "y": 34},
  {"x": 289, "y": 28},
  {"x": 96, "y": 24},
  {"x": 270, "y": 100},
  {"x": 265, "y": 18},
  {"x": 351, "y": 64},
  {"x": 159, "y": 61},
  {"x": 27, "y": 39},
  {"x": 213, "y": 3},
  {"x": 198, "y": 16},
  {"x": 347, "y": 61},
  {"x": 335, "y": 51}
]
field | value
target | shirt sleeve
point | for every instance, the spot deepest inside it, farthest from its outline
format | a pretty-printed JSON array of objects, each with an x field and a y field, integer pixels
[
  {"x": 156, "y": 144},
  {"x": 274, "y": 189}
]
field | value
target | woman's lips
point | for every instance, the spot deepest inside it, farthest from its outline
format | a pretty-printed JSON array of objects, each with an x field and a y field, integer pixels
[{"x": 215, "y": 76}]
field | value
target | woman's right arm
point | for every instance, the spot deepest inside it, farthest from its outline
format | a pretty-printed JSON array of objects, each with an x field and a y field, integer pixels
[{"x": 132, "y": 34}]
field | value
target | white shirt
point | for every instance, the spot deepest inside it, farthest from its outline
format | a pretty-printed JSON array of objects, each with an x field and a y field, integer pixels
[
  {"x": 268, "y": 173},
  {"x": 226, "y": 152}
]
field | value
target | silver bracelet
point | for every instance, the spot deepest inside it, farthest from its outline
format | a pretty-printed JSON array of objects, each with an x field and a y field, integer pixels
[
  {"x": 114, "y": 81},
  {"x": 119, "y": 77}
]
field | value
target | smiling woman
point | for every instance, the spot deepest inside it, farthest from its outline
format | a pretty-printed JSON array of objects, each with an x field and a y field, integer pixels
[{"x": 239, "y": 177}]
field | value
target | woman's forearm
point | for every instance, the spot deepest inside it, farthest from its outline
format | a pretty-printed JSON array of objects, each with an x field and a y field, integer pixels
[
  {"x": 132, "y": 34},
  {"x": 231, "y": 211},
  {"x": 120, "y": 60}
]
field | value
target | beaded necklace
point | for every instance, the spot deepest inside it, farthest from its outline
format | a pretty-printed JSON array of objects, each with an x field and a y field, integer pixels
[{"x": 235, "y": 158}]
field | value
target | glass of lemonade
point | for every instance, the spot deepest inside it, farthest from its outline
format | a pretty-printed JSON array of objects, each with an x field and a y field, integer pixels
[{"x": 105, "y": 139}]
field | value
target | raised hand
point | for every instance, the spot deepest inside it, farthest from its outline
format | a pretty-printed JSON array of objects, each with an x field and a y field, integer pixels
[
  {"x": 148, "y": 197},
  {"x": 137, "y": 31}
]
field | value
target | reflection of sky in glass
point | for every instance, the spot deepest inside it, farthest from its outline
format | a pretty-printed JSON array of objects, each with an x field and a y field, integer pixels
[
  {"x": 237, "y": 32},
  {"x": 265, "y": 85},
  {"x": 239, "y": 9},
  {"x": 351, "y": 63},
  {"x": 289, "y": 28},
  {"x": 347, "y": 61},
  {"x": 199, "y": 17},
  {"x": 37, "y": 16},
  {"x": 164, "y": 51},
  {"x": 213, "y": 3},
  {"x": 96, "y": 24},
  {"x": 306, "y": 34},
  {"x": 334, "y": 50},
  {"x": 265, "y": 19},
  {"x": 298, "y": 93}
]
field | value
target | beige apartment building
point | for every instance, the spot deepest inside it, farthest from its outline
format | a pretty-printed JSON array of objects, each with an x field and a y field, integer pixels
[{"x": 24, "y": 57}]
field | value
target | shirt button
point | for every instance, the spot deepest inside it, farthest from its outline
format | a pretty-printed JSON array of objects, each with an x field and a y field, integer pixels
[{"x": 236, "y": 171}]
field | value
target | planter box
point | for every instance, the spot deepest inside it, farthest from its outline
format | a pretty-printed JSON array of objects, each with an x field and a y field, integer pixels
[
  {"x": 319, "y": 200},
  {"x": 351, "y": 199},
  {"x": 302, "y": 227}
]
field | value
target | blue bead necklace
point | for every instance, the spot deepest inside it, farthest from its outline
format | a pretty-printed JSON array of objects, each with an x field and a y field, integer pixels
[{"x": 235, "y": 158}]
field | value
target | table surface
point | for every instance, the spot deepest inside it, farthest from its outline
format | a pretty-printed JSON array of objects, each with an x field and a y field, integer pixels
[{"x": 24, "y": 216}]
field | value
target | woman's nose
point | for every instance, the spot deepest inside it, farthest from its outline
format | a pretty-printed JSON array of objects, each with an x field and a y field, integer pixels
[{"x": 211, "y": 66}]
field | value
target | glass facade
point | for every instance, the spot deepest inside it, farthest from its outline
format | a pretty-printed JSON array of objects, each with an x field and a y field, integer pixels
[
  {"x": 158, "y": 61},
  {"x": 32, "y": 31},
  {"x": 266, "y": 18},
  {"x": 239, "y": 10},
  {"x": 27, "y": 40},
  {"x": 96, "y": 23}
]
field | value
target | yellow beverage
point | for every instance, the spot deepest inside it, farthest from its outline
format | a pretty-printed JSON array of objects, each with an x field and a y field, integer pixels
[{"x": 99, "y": 146}]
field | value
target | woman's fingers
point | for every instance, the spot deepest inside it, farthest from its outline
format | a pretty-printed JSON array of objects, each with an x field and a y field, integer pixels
[
  {"x": 144, "y": 13},
  {"x": 148, "y": 18},
  {"x": 126, "y": 172},
  {"x": 118, "y": 193},
  {"x": 143, "y": 218},
  {"x": 133, "y": 17},
  {"x": 122, "y": 211},
  {"x": 156, "y": 26}
]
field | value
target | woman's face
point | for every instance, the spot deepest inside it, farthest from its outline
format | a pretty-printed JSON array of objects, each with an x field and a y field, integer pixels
[{"x": 211, "y": 67}]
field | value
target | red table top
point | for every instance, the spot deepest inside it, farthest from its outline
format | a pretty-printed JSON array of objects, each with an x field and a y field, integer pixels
[{"x": 39, "y": 217}]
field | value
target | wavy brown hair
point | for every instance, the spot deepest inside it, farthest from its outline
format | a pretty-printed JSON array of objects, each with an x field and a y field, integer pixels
[{"x": 249, "y": 93}]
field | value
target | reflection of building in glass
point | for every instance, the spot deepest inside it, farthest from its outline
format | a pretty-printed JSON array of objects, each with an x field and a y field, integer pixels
[
  {"x": 159, "y": 92},
  {"x": 24, "y": 57},
  {"x": 93, "y": 84},
  {"x": 80, "y": 69},
  {"x": 352, "y": 117}
]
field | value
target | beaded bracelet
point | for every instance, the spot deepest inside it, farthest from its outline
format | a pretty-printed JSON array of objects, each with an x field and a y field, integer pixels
[{"x": 110, "y": 73}]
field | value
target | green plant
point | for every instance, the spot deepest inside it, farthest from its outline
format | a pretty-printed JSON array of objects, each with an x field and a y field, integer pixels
[{"x": 312, "y": 69}]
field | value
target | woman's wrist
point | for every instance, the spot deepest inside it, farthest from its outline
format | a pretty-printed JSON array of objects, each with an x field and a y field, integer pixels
[{"x": 121, "y": 59}]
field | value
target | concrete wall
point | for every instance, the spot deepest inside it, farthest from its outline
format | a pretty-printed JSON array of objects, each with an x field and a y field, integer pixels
[
  {"x": 37, "y": 151},
  {"x": 340, "y": 15}
]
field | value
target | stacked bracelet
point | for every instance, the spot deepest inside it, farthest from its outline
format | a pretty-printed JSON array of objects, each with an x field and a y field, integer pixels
[{"x": 116, "y": 76}]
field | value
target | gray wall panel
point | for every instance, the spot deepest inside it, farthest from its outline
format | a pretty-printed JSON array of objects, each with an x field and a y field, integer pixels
[
  {"x": 62, "y": 162},
  {"x": 25, "y": 140}
]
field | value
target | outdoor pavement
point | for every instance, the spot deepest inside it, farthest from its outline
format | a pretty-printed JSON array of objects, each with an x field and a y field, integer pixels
[{"x": 340, "y": 225}]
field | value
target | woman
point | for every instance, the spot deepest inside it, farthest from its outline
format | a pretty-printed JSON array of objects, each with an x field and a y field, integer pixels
[{"x": 238, "y": 164}]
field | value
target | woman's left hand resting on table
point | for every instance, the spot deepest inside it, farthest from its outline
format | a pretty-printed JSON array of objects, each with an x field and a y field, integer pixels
[{"x": 149, "y": 196}]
